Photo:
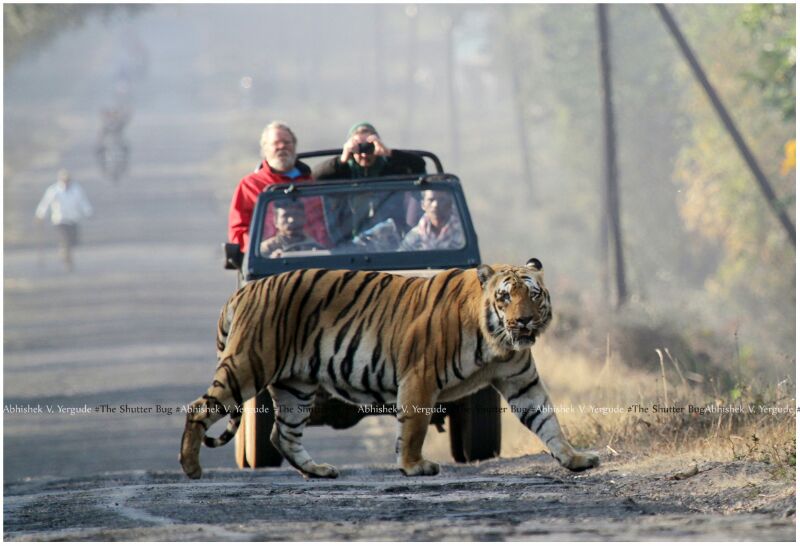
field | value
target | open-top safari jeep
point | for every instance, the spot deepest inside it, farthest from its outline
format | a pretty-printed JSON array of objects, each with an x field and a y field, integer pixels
[{"x": 365, "y": 222}]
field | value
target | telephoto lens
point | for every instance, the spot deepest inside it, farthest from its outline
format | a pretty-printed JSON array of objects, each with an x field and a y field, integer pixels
[{"x": 366, "y": 147}]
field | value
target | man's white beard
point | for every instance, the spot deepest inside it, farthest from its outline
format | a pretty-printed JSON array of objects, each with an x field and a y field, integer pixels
[{"x": 282, "y": 163}]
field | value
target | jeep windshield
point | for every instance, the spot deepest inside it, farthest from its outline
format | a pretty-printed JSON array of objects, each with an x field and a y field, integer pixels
[{"x": 388, "y": 224}]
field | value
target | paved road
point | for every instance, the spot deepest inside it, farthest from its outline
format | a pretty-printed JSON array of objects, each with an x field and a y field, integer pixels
[{"x": 527, "y": 498}]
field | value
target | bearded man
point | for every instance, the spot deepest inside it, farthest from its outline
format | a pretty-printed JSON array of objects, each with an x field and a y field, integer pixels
[{"x": 279, "y": 166}]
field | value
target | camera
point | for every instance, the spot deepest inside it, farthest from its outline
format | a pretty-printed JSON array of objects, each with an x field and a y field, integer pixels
[{"x": 365, "y": 148}]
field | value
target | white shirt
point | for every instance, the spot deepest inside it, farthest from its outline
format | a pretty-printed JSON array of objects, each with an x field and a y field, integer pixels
[{"x": 67, "y": 205}]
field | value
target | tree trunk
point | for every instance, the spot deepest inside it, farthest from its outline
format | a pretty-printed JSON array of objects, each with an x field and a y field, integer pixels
[
  {"x": 612, "y": 201},
  {"x": 452, "y": 98},
  {"x": 519, "y": 106},
  {"x": 412, "y": 14}
]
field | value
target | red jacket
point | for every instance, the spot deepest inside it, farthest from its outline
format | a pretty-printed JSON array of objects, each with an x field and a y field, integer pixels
[{"x": 244, "y": 200}]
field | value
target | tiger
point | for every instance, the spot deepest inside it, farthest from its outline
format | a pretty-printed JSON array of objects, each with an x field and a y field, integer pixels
[{"x": 369, "y": 337}]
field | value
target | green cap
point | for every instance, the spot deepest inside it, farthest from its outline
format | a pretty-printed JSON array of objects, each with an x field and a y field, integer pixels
[{"x": 365, "y": 124}]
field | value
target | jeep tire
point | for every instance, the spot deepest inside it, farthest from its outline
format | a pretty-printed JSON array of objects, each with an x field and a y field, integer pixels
[
  {"x": 475, "y": 430},
  {"x": 253, "y": 446}
]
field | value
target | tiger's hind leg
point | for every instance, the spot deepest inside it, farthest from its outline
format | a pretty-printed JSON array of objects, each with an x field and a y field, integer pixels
[
  {"x": 412, "y": 425},
  {"x": 223, "y": 397},
  {"x": 293, "y": 402},
  {"x": 201, "y": 414}
]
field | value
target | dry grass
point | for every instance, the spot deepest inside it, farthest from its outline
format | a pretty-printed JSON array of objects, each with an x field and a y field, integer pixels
[{"x": 608, "y": 401}]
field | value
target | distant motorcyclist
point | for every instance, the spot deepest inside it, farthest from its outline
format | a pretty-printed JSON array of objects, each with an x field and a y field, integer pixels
[{"x": 112, "y": 149}]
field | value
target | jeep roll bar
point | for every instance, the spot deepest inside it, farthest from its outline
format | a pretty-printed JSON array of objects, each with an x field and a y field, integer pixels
[{"x": 338, "y": 151}]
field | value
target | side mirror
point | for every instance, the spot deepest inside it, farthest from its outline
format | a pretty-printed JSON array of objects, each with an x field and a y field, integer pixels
[{"x": 233, "y": 256}]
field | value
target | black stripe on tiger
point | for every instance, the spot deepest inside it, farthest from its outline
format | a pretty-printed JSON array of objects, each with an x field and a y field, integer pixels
[
  {"x": 524, "y": 389},
  {"x": 256, "y": 368},
  {"x": 233, "y": 381},
  {"x": 547, "y": 416},
  {"x": 456, "y": 360},
  {"x": 524, "y": 369},
  {"x": 528, "y": 416},
  {"x": 310, "y": 325},
  {"x": 478, "y": 347},
  {"x": 300, "y": 341},
  {"x": 294, "y": 392},
  {"x": 228, "y": 434},
  {"x": 369, "y": 390},
  {"x": 342, "y": 333},
  {"x": 376, "y": 356},
  {"x": 278, "y": 291},
  {"x": 368, "y": 300},
  {"x": 384, "y": 283},
  {"x": 315, "y": 361},
  {"x": 347, "y": 363},
  {"x": 346, "y": 309},
  {"x": 283, "y": 422}
]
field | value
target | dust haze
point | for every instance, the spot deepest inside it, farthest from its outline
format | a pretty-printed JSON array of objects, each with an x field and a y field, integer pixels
[{"x": 135, "y": 322}]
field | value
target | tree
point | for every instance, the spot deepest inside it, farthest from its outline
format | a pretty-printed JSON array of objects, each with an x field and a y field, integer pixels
[
  {"x": 28, "y": 27},
  {"x": 772, "y": 33},
  {"x": 754, "y": 274}
]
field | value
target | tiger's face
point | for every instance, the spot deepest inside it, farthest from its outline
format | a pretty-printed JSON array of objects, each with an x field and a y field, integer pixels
[{"x": 516, "y": 304}]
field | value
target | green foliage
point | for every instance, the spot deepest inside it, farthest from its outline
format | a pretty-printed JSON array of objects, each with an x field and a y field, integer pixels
[
  {"x": 722, "y": 203},
  {"x": 557, "y": 46},
  {"x": 695, "y": 223},
  {"x": 773, "y": 34}
]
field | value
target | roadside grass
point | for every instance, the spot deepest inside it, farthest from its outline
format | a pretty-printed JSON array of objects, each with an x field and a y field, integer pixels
[{"x": 614, "y": 408}]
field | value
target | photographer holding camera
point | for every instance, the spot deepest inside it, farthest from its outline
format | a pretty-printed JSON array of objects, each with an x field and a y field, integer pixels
[{"x": 364, "y": 154}]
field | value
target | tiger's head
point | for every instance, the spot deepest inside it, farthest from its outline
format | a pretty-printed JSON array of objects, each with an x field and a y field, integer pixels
[{"x": 516, "y": 304}]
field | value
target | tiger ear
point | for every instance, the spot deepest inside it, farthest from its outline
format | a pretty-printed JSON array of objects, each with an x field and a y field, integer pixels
[
  {"x": 534, "y": 263},
  {"x": 484, "y": 273}
]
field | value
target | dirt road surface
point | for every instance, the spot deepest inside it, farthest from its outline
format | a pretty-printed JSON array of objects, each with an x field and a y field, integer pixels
[
  {"x": 133, "y": 326},
  {"x": 526, "y": 498}
]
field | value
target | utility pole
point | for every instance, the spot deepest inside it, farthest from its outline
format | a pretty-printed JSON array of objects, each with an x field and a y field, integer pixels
[
  {"x": 412, "y": 15},
  {"x": 730, "y": 126},
  {"x": 519, "y": 103},
  {"x": 377, "y": 52},
  {"x": 612, "y": 206},
  {"x": 450, "y": 22}
]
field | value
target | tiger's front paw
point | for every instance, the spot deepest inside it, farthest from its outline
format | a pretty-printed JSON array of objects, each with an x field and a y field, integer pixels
[
  {"x": 190, "y": 450},
  {"x": 191, "y": 466},
  {"x": 582, "y": 461},
  {"x": 422, "y": 468},
  {"x": 320, "y": 471}
]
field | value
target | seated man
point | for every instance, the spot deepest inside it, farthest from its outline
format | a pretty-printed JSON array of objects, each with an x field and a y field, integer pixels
[
  {"x": 290, "y": 221},
  {"x": 438, "y": 228}
]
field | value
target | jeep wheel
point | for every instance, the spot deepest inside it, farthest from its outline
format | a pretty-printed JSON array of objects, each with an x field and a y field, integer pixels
[
  {"x": 475, "y": 430},
  {"x": 253, "y": 446}
]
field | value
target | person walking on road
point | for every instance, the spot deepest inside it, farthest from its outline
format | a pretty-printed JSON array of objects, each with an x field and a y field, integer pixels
[{"x": 68, "y": 206}]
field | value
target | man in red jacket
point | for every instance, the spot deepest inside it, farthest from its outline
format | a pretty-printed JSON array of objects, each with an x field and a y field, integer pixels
[{"x": 280, "y": 165}]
